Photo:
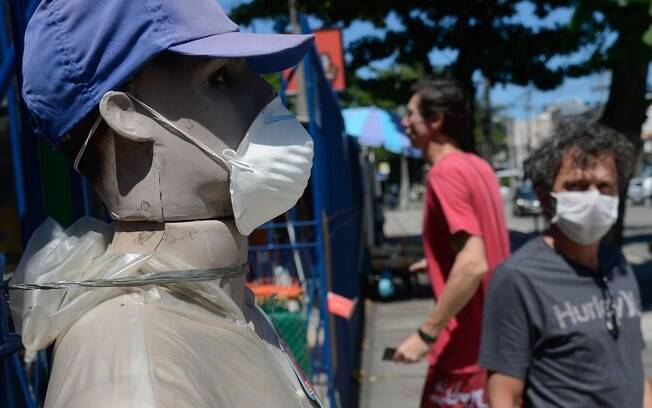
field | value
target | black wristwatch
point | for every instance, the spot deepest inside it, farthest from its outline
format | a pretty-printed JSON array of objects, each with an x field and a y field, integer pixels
[{"x": 428, "y": 339}]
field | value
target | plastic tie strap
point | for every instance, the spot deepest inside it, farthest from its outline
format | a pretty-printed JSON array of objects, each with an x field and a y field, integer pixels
[{"x": 153, "y": 278}]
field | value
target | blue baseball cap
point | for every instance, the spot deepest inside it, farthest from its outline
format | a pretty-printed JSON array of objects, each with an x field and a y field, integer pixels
[{"x": 77, "y": 50}]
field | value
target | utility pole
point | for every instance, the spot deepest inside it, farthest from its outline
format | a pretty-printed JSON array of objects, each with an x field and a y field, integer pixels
[
  {"x": 486, "y": 121},
  {"x": 528, "y": 119},
  {"x": 601, "y": 89},
  {"x": 301, "y": 104}
]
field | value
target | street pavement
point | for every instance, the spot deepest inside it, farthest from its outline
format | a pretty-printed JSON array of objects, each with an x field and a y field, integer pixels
[{"x": 387, "y": 384}]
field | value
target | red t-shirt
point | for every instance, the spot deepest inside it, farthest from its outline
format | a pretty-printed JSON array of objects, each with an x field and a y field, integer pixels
[{"x": 462, "y": 194}]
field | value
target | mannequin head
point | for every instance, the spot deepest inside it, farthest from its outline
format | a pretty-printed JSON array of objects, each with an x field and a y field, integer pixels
[
  {"x": 191, "y": 65},
  {"x": 144, "y": 172}
]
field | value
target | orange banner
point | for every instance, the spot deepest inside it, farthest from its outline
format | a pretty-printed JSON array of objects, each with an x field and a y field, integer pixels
[
  {"x": 330, "y": 50},
  {"x": 340, "y": 306}
]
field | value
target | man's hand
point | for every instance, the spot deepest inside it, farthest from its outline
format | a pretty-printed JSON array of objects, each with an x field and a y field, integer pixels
[
  {"x": 412, "y": 350},
  {"x": 418, "y": 266}
]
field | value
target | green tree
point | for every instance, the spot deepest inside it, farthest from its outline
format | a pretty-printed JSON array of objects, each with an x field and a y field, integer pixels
[
  {"x": 620, "y": 34},
  {"x": 489, "y": 39},
  {"x": 388, "y": 88},
  {"x": 487, "y": 36}
]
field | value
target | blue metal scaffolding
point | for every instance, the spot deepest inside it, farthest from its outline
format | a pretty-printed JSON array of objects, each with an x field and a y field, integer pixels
[
  {"x": 16, "y": 389},
  {"x": 331, "y": 239},
  {"x": 337, "y": 208}
]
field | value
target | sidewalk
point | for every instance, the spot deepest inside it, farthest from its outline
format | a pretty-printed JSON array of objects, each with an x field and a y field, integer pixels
[{"x": 385, "y": 383}]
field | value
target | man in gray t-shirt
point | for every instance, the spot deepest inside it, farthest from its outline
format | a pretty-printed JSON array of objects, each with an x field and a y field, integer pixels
[
  {"x": 561, "y": 324},
  {"x": 545, "y": 324}
]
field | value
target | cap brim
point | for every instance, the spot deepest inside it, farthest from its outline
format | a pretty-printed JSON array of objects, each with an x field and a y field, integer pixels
[{"x": 264, "y": 52}]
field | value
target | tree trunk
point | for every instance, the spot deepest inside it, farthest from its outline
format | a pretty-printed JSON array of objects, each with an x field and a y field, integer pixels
[
  {"x": 468, "y": 142},
  {"x": 463, "y": 76},
  {"x": 626, "y": 107}
]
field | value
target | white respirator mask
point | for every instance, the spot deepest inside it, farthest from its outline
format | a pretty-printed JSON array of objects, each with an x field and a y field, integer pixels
[
  {"x": 269, "y": 170},
  {"x": 584, "y": 216}
]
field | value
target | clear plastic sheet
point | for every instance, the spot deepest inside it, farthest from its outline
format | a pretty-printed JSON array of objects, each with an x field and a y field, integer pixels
[{"x": 176, "y": 345}]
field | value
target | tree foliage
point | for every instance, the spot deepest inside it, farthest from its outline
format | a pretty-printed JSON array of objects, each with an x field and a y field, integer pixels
[
  {"x": 490, "y": 40},
  {"x": 486, "y": 36}
]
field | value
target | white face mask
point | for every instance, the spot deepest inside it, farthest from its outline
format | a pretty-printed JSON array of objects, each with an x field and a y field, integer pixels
[
  {"x": 584, "y": 216},
  {"x": 269, "y": 170}
]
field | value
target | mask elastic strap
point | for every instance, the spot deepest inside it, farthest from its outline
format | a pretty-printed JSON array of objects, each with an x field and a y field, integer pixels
[
  {"x": 230, "y": 156},
  {"x": 82, "y": 149},
  {"x": 172, "y": 127}
]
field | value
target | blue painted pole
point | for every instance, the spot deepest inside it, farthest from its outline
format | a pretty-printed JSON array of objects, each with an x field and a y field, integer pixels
[
  {"x": 7, "y": 396},
  {"x": 28, "y": 159},
  {"x": 7, "y": 67},
  {"x": 22, "y": 381},
  {"x": 319, "y": 197},
  {"x": 81, "y": 194},
  {"x": 36, "y": 382},
  {"x": 6, "y": 78},
  {"x": 12, "y": 54},
  {"x": 86, "y": 195}
]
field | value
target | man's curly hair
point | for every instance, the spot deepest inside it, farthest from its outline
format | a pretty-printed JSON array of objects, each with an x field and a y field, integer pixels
[{"x": 587, "y": 140}]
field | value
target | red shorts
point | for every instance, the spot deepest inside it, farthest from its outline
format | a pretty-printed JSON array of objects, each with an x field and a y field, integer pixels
[{"x": 448, "y": 390}]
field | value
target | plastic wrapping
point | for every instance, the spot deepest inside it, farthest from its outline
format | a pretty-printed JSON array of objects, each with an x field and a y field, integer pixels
[{"x": 173, "y": 345}]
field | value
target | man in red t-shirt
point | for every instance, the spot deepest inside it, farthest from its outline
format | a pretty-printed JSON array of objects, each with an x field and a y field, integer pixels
[{"x": 464, "y": 238}]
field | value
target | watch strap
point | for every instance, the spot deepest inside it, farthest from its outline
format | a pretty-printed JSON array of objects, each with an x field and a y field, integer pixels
[{"x": 428, "y": 339}]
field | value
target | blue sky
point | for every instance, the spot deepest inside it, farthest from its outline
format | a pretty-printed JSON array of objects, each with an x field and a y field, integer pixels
[{"x": 590, "y": 90}]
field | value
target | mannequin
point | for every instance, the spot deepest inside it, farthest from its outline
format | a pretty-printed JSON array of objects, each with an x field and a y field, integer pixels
[
  {"x": 151, "y": 101},
  {"x": 161, "y": 191},
  {"x": 165, "y": 195}
]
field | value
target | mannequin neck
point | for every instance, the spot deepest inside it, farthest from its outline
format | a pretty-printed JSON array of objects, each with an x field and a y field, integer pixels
[{"x": 204, "y": 244}]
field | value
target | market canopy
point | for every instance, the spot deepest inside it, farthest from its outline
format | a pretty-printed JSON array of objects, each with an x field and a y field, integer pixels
[{"x": 376, "y": 127}]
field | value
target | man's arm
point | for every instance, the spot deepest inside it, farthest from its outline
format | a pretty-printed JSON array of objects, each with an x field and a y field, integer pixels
[
  {"x": 505, "y": 391},
  {"x": 469, "y": 268}
]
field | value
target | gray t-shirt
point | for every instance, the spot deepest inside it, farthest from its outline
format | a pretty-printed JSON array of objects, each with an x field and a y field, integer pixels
[{"x": 544, "y": 323}]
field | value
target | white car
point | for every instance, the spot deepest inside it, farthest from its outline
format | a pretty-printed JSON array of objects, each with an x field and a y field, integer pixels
[
  {"x": 636, "y": 191},
  {"x": 647, "y": 186}
]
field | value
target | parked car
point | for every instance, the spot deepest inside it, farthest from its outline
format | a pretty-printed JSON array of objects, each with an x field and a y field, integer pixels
[
  {"x": 646, "y": 175},
  {"x": 525, "y": 201},
  {"x": 636, "y": 191}
]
